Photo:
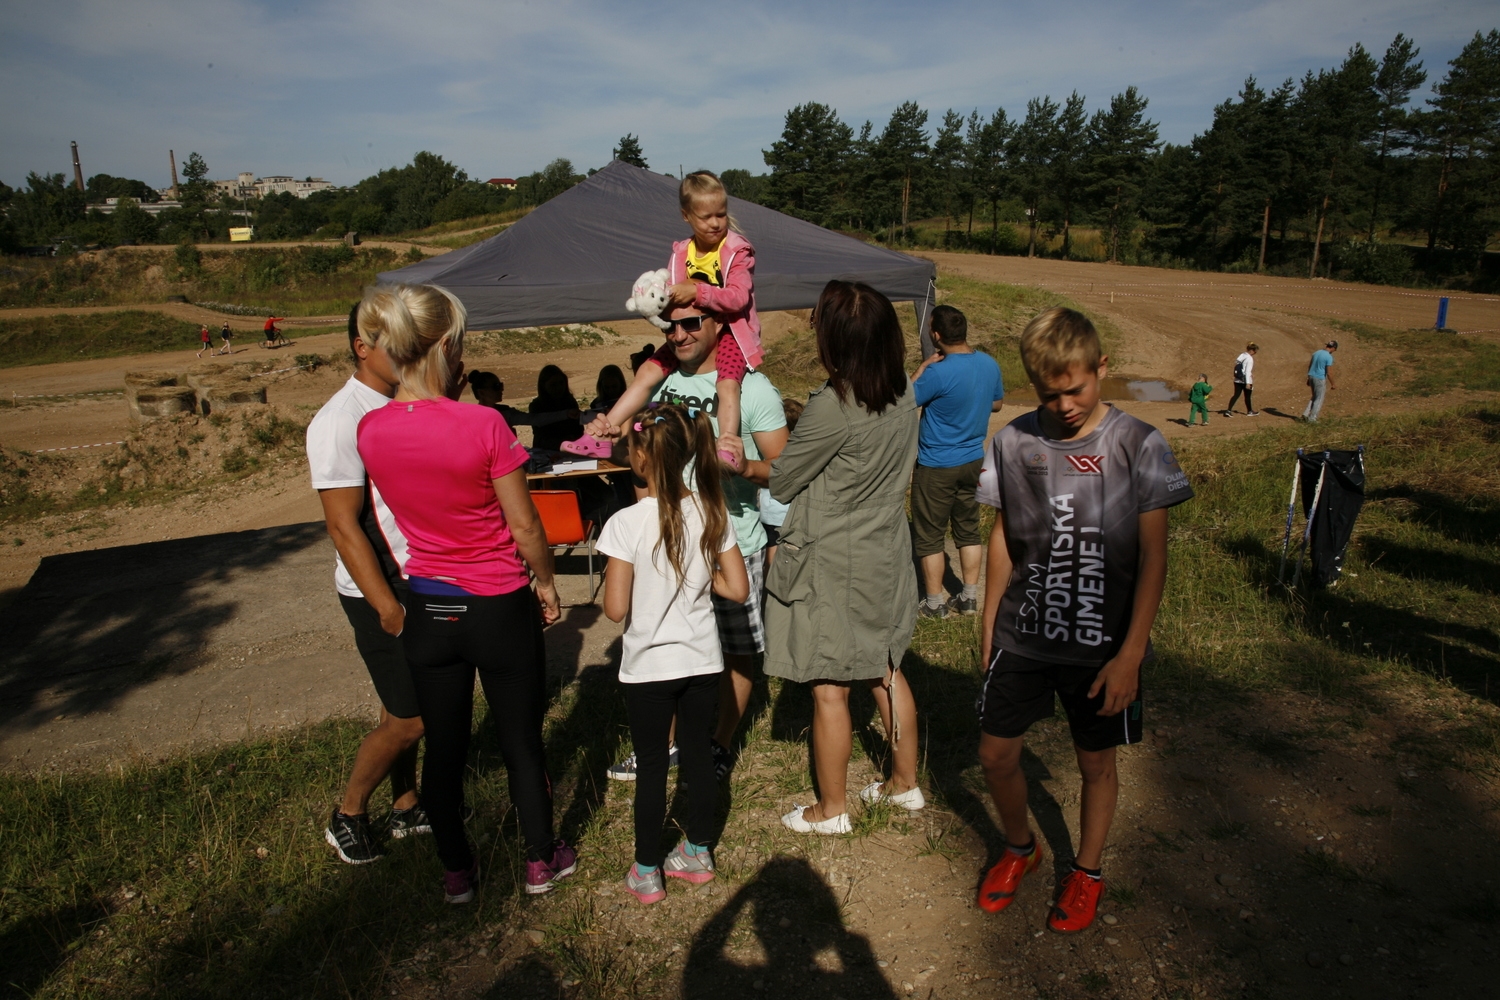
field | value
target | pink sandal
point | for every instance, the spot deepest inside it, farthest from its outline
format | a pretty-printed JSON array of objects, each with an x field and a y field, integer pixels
[
  {"x": 728, "y": 459},
  {"x": 589, "y": 447}
]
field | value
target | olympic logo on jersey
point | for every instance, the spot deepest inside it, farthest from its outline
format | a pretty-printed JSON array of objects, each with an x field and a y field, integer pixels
[{"x": 1087, "y": 464}]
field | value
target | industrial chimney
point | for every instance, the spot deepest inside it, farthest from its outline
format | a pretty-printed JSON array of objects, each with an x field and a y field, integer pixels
[
  {"x": 77, "y": 168},
  {"x": 173, "y": 157}
]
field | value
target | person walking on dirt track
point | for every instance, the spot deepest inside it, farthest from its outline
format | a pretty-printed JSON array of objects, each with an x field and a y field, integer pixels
[
  {"x": 204, "y": 340},
  {"x": 370, "y": 552},
  {"x": 480, "y": 573},
  {"x": 226, "y": 335},
  {"x": 1244, "y": 380},
  {"x": 1072, "y": 589},
  {"x": 1319, "y": 380},
  {"x": 1198, "y": 399},
  {"x": 958, "y": 388}
]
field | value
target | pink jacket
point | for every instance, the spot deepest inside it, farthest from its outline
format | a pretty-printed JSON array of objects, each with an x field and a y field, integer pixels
[{"x": 735, "y": 302}]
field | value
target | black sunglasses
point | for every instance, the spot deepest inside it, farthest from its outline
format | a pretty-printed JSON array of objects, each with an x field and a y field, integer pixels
[{"x": 688, "y": 324}]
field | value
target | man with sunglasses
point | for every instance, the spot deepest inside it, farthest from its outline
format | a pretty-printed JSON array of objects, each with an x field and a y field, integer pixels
[{"x": 742, "y": 635}]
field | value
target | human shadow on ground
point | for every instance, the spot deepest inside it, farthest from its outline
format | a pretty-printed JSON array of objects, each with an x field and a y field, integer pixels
[
  {"x": 1359, "y": 626},
  {"x": 1475, "y": 519},
  {"x": 796, "y": 919},
  {"x": 90, "y": 626},
  {"x": 32, "y": 948}
]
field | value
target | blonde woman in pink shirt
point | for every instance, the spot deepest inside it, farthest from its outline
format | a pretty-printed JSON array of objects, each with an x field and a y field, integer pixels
[{"x": 453, "y": 475}]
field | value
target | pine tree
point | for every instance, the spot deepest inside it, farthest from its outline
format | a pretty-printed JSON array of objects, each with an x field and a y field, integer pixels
[
  {"x": 1336, "y": 113},
  {"x": 1461, "y": 134},
  {"x": 809, "y": 165},
  {"x": 985, "y": 152},
  {"x": 1121, "y": 139},
  {"x": 947, "y": 165},
  {"x": 1031, "y": 150},
  {"x": 1068, "y": 163},
  {"x": 900, "y": 162},
  {"x": 1400, "y": 74},
  {"x": 629, "y": 151}
]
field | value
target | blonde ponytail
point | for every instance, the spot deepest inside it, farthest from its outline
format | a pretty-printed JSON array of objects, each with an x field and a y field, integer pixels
[{"x": 420, "y": 327}]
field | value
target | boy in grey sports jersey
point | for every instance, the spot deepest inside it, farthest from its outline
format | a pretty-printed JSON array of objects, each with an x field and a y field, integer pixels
[{"x": 1077, "y": 565}]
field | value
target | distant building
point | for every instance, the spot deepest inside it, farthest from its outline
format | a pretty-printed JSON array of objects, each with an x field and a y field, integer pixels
[
  {"x": 108, "y": 205},
  {"x": 291, "y": 185},
  {"x": 242, "y": 187},
  {"x": 506, "y": 183}
]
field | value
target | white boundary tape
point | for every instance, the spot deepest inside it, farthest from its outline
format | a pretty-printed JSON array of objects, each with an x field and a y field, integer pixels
[
  {"x": 61, "y": 395},
  {"x": 102, "y": 444}
]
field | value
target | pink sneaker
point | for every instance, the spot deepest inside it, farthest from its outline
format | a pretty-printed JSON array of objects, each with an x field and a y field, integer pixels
[
  {"x": 728, "y": 459},
  {"x": 588, "y": 446},
  {"x": 543, "y": 876}
]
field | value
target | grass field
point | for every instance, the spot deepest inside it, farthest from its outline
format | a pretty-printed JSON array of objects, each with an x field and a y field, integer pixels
[
  {"x": 50, "y": 339},
  {"x": 1433, "y": 361},
  {"x": 289, "y": 281},
  {"x": 206, "y": 875}
]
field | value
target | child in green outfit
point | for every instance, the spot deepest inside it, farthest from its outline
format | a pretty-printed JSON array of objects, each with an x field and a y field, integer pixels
[{"x": 1198, "y": 398}]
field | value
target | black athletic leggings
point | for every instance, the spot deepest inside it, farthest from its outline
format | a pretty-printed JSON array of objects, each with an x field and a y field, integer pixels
[
  {"x": 1240, "y": 387},
  {"x": 651, "y": 705},
  {"x": 446, "y": 640}
]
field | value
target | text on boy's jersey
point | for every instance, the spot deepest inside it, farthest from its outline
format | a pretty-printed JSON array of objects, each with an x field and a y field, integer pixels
[{"x": 1072, "y": 513}]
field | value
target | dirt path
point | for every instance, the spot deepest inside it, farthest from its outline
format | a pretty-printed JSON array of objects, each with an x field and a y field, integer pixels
[
  {"x": 178, "y": 310},
  {"x": 1180, "y": 323}
]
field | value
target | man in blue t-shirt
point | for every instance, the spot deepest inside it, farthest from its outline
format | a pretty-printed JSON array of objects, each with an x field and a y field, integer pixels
[
  {"x": 1319, "y": 380},
  {"x": 957, "y": 388}
]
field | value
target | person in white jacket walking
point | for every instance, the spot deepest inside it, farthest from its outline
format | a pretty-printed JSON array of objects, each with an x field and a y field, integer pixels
[{"x": 1244, "y": 381}]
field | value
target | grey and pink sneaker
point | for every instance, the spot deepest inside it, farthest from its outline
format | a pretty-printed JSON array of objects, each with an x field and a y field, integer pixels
[
  {"x": 543, "y": 876},
  {"x": 648, "y": 887},
  {"x": 695, "y": 868}
]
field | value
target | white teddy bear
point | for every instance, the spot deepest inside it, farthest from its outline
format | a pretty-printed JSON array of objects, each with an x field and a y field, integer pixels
[{"x": 649, "y": 297}]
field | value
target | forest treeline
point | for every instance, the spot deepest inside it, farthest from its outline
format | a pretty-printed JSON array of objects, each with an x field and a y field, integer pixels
[
  {"x": 1331, "y": 174},
  {"x": 1374, "y": 170}
]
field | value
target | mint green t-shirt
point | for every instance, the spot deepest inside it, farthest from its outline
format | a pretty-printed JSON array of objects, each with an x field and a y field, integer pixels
[{"x": 760, "y": 411}]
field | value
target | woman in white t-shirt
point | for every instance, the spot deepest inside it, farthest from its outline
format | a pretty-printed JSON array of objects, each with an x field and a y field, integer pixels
[
  {"x": 1244, "y": 381},
  {"x": 665, "y": 555}
]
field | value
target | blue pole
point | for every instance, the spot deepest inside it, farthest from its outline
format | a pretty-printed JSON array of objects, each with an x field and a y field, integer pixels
[{"x": 1442, "y": 320}]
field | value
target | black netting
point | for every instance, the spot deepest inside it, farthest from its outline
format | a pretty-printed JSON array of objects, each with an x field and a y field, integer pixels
[{"x": 1338, "y": 503}]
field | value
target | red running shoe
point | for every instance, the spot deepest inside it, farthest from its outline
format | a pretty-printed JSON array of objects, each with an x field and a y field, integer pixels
[
  {"x": 1075, "y": 908},
  {"x": 1000, "y": 882}
]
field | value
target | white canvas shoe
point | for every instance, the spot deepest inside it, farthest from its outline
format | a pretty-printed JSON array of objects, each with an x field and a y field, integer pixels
[
  {"x": 832, "y": 825},
  {"x": 912, "y": 799}
]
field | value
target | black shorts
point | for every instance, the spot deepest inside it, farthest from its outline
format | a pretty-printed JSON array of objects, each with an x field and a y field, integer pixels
[
  {"x": 383, "y": 656},
  {"x": 1018, "y": 692}
]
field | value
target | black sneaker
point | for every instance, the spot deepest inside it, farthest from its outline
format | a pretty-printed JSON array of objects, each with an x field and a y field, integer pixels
[
  {"x": 409, "y": 822},
  {"x": 350, "y": 836},
  {"x": 625, "y": 769},
  {"x": 722, "y": 760},
  {"x": 963, "y": 605},
  {"x": 925, "y": 610}
]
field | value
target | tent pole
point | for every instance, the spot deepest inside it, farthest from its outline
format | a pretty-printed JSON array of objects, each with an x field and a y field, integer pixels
[
  {"x": 1312, "y": 515},
  {"x": 1291, "y": 507}
]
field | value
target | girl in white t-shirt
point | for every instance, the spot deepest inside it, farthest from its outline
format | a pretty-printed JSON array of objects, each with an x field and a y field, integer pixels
[{"x": 665, "y": 555}]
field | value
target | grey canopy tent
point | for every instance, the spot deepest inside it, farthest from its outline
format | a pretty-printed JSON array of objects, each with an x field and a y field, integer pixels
[{"x": 575, "y": 258}]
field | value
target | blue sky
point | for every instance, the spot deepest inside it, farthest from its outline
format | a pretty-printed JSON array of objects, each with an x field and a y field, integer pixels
[{"x": 342, "y": 88}]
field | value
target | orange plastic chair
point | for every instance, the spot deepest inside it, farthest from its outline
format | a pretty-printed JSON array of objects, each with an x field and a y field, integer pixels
[{"x": 566, "y": 529}]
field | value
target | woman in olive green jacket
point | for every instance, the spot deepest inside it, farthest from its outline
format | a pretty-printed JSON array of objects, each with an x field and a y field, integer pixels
[{"x": 842, "y": 595}]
